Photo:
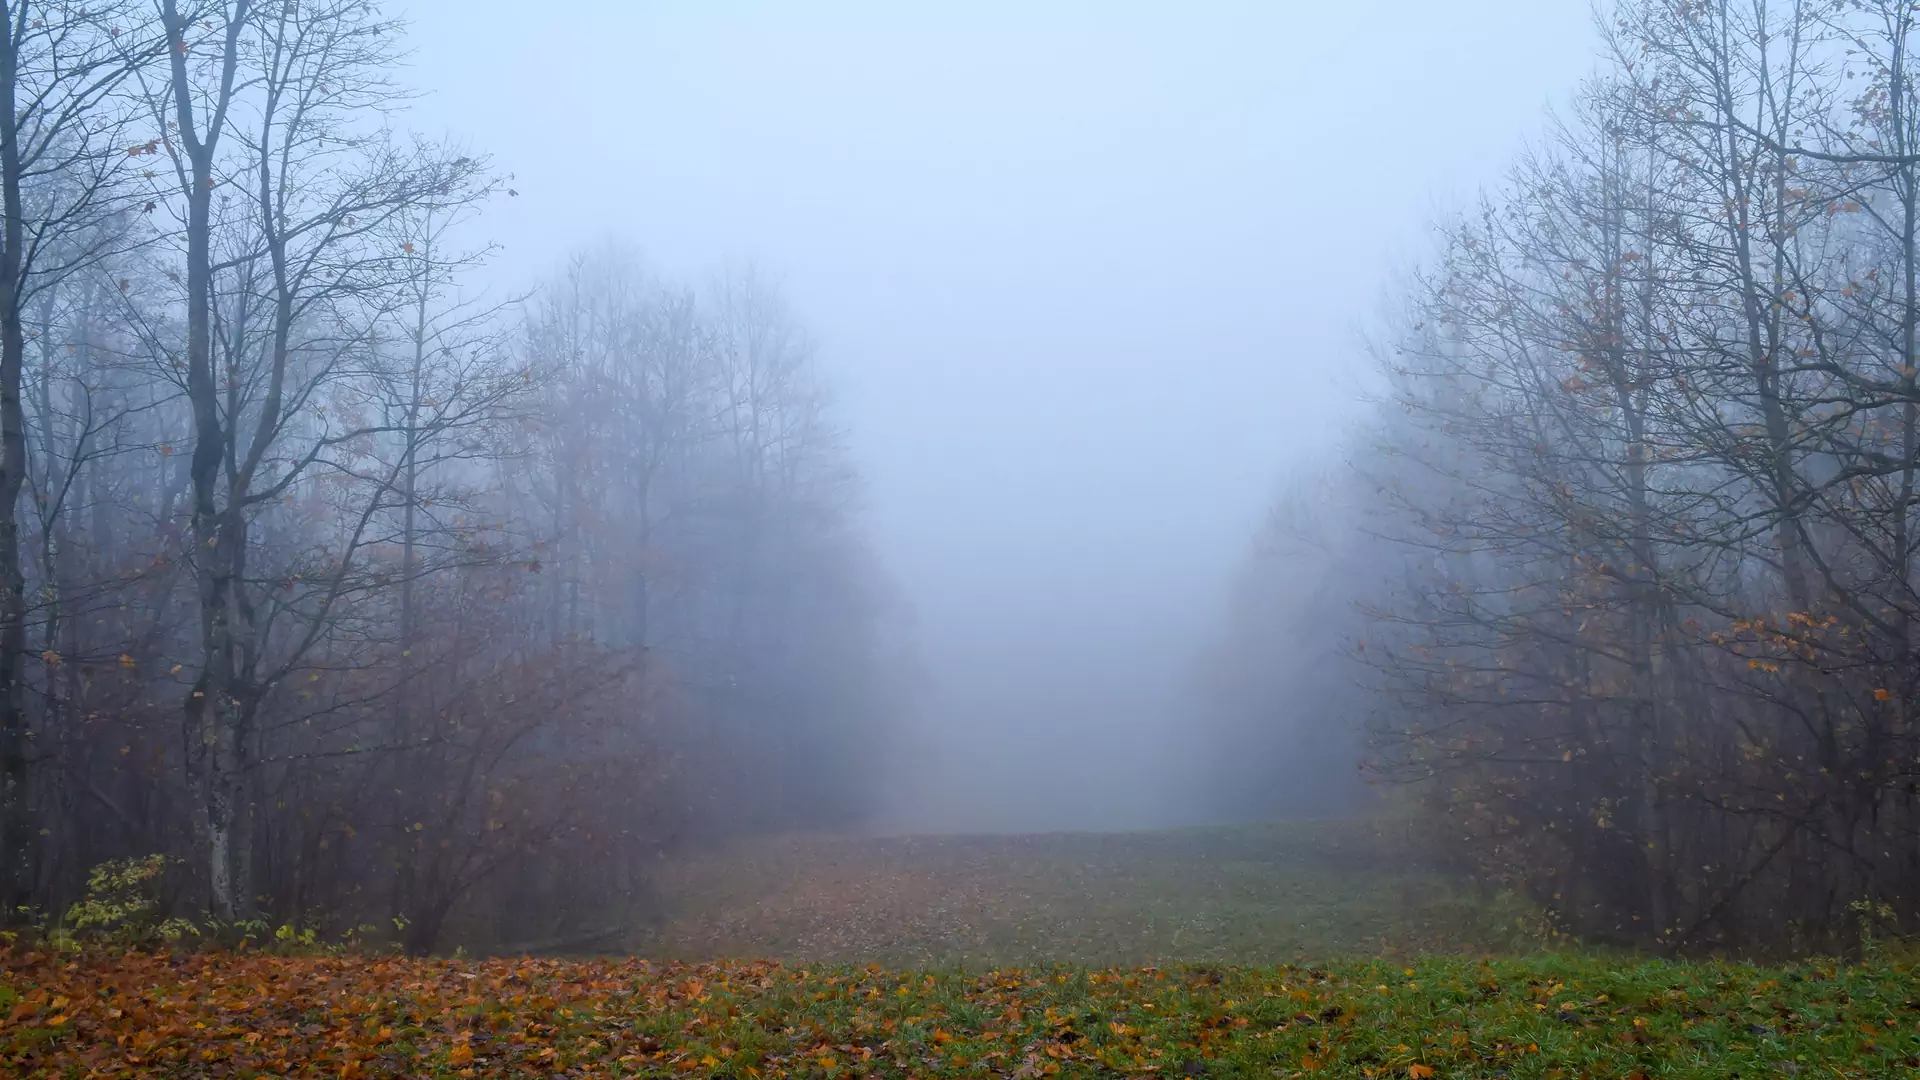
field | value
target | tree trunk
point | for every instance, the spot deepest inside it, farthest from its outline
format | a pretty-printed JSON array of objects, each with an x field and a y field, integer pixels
[
  {"x": 213, "y": 716},
  {"x": 16, "y": 827}
]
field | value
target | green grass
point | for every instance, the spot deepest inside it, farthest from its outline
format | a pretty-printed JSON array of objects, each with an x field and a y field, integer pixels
[
  {"x": 1552, "y": 1018},
  {"x": 1559, "y": 1017},
  {"x": 1292, "y": 951},
  {"x": 1253, "y": 895}
]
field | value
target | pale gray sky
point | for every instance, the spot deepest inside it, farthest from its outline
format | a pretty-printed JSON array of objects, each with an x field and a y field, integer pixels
[{"x": 1089, "y": 275}]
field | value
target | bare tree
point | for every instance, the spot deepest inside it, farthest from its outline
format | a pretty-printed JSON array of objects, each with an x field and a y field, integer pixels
[{"x": 60, "y": 67}]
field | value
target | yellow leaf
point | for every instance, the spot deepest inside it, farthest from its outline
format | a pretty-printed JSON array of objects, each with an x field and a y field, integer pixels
[
  {"x": 1420, "y": 1072},
  {"x": 460, "y": 1055},
  {"x": 1882, "y": 695}
]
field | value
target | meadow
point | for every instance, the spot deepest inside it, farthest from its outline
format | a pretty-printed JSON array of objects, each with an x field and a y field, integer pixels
[{"x": 1304, "y": 950}]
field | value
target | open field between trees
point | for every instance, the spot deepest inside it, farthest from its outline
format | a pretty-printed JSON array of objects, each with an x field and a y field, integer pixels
[
  {"x": 1247, "y": 895},
  {"x": 1293, "y": 951},
  {"x": 256, "y": 1016}
]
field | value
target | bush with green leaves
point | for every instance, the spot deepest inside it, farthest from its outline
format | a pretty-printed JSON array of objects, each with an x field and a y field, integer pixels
[{"x": 122, "y": 907}]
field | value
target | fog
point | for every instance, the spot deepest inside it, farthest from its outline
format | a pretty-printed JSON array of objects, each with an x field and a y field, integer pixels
[
  {"x": 500, "y": 478},
  {"x": 1090, "y": 279}
]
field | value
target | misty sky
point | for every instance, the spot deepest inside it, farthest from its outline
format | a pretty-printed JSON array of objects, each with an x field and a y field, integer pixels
[{"x": 1089, "y": 275}]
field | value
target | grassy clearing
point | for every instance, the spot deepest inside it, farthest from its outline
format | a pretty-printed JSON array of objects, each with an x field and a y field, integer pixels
[
  {"x": 1258, "y": 895},
  {"x": 1158, "y": 955},
  {"x": 1560, "y": 1017}
]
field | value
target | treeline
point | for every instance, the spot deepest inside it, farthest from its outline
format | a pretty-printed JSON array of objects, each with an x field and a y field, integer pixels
[
  {"x": 1273, "y": 694},
  {"x": 1630, "y": 546},
  {"x": 362, "y": 597}
]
